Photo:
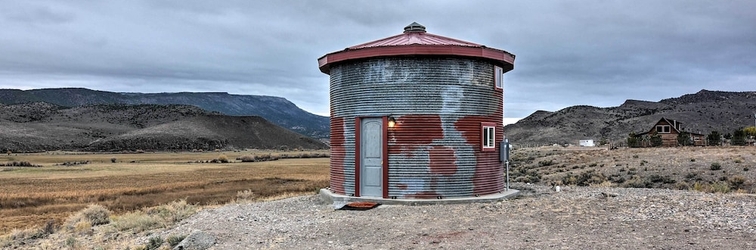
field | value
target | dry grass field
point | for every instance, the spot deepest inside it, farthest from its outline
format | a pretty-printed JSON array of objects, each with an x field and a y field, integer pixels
[
  {"x": 707, "y": 169},
  {"x": 32, "y": 196}
]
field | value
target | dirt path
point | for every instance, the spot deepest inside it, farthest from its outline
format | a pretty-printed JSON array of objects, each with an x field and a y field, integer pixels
[{"x": 576, "y": 218}]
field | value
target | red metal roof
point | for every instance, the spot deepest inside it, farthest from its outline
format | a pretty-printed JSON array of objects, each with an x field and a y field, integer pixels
[{"x": 416, "y": 41}]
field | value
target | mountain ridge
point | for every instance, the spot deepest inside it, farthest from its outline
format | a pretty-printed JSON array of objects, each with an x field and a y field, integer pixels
[
  {"x": 700, "y": 112},
  {"x": 35, "y": 127},
  {"x": 275, "y": 109}
]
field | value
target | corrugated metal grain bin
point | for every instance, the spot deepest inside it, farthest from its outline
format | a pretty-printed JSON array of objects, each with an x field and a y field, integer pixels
[{"x": 416, "y": 115}]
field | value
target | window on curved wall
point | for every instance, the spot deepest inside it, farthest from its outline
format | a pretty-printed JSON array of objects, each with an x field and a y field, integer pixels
[
  {"x": 488, "y": 136},
  {"x": 498, "y": 77}
]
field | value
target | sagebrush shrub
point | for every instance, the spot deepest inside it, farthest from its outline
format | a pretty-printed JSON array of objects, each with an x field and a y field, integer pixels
[
  {"x": 715, "y": 166},
  {"x": 93, "y": 215},
  {"x": 223, "y": 159},
  {"x": 174, "y": 240}
]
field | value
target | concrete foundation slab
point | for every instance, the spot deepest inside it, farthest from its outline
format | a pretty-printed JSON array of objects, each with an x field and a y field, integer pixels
[{"x": 327, "y": 196}]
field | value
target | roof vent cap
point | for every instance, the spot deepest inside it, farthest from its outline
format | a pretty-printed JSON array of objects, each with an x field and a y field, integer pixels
[{"x": 414, "y": 27}]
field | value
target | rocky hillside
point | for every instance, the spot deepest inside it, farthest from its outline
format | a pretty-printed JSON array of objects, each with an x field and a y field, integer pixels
[
  {"x": 701, "y": 112},
  {"x": 42, "y": 126},
  {"x": 275, "y": 109}
]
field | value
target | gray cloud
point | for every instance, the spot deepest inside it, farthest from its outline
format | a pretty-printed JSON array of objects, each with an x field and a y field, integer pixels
[{"x": 589, "y": 53}]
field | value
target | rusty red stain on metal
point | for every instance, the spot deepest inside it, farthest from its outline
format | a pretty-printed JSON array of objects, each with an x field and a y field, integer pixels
[
  {"x": 402, "y": 186},
  {"x": 442, "y": 160},
  {"x": 338, "y": 154},
  {"x": 357, "y": 155},
  {"x": 488, "y": 170},
  {"x": 385, "y": 158},
  {"x": 423, "y": 195},
  {"x": 415, "y": 130}
]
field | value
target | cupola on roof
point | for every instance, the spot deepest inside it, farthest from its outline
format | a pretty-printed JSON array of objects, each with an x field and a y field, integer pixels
[{"x": 416, "y": 41}]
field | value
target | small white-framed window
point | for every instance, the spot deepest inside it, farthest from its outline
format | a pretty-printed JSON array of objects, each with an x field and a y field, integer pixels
[
  {"x": 498, "y": 77},
  {"x": 488, "y": 136},
  {"x": 662, "y": 129}
]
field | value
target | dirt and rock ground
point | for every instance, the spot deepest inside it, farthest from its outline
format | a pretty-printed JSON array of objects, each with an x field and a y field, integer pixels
[{"x": 540, "y": 218}]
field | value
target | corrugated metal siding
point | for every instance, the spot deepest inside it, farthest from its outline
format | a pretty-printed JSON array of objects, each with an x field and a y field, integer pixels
[
  {"x": 438, "y": 103},
  {"x": 338, "y": 154}
]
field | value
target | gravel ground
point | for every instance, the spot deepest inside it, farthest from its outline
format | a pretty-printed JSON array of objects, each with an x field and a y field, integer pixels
[{"x": 576, "y": 218}]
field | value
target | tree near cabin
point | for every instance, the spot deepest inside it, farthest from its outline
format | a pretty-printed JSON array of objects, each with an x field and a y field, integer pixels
[
  {"x": 632, "y": 141},
  {"x": 656, "y": 140},
  {"x": 714, "y": 139},
  {"x": 750, "y": 131},
  {"x": 684, "y": 139},
  {"x": 739, "y": 138}
]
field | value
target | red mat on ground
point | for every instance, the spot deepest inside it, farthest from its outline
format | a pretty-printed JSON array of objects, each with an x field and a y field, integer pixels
[{"x": 359, "y": 206}]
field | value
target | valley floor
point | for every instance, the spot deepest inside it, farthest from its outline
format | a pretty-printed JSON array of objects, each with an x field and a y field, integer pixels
[{"x": 576, "y": 218}]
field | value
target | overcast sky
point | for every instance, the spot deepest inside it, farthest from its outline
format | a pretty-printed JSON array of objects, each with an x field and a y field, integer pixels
[{"x": 597, "y": 53}]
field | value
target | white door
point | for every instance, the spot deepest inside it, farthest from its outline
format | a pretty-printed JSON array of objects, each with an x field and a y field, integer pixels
[{"x": 371, "y": 157}]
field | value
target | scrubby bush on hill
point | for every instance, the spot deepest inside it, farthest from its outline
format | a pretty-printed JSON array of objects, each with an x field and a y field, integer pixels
[{"x": 84, "y": 220}]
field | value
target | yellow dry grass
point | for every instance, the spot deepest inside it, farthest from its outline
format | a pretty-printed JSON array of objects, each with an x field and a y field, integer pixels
[{"x": 32, "y": 196}]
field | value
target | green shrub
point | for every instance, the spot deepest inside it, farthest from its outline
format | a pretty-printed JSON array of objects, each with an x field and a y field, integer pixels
[
  {"x": 545, "y": 163},
  {"x": 715, "y": 166},
  {"x": 655, "y": 178},
  {"x": 93, "y": 215},
  {"x": 691, "y": 175},
  {"x": 738, "y": 138},
  {"x": 223, "y": 159},
  {"x": 719, "y": 187},
  {"x": 71, "y": 242},
  {"x": 584, "y": 179},
  {"x": 736, "y": 182},
  {"x": 154, "y": 217},
  {"x": 656, "y": 140},
  {"x": 154, "y": 243},
  {"x": 137, "y": 221},
  {"x": 637, "y": 182},
  {"x": 714, "y": 139},
  {"x": 616, "y": 178},
  {"x": 632, "y": 141},
  {"x": 684, "y": 139},
  {"x": 174, "y": 240}
]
